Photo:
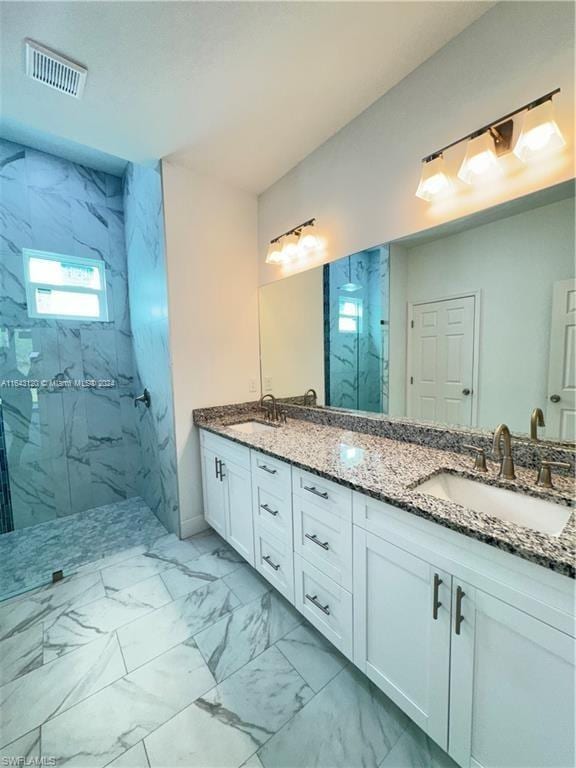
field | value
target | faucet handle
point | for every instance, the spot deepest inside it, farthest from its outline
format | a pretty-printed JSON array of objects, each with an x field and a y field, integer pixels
[
  {"x": 544, "y": 477},
  {"x": 480, "y": 459}
]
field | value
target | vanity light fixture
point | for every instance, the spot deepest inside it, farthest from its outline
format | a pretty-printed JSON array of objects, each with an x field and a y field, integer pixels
[
  {"x": 293, "y": 244},
  {"x": 434, "y": 181},
  {"x": 540, "y": 134}
]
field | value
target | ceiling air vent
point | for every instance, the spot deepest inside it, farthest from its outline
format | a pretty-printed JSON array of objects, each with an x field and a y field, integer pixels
[{"x": 54, "y": 70}]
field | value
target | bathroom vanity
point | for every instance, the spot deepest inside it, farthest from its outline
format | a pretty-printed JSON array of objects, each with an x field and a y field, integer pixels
[{"x": 465, "y": 620}]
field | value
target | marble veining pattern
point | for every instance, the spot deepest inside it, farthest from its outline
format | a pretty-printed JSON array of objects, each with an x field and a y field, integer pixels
[
  {"x": 389, "y": 470},
  {"x": 274, "y": 699}
]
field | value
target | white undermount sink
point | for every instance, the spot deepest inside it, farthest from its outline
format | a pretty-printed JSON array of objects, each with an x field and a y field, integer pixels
[
  {"x": 251, "y": 427},
  {"x": 510, "y": 506}
]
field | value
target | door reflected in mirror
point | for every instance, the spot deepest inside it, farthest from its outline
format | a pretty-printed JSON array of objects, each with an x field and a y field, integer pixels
[{"x": 470, "y": 324}]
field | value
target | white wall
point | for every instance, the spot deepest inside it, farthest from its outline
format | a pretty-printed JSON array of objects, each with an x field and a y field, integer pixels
[
  {"x": 513, "y": 263},
  {"x": 361, "y": 183},
  {"x": 292, "y": 335},
  {"x": 213, "y": 299}
]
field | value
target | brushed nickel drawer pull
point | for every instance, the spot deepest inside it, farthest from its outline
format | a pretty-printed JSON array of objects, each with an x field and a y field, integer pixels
[
  {"x": 268, "y": 469},
  {"x": 435, "y": 602},
  {"x": 272, "y": 564},
  {"x": 460, "y": 595},
  {"x": 316, "y": 540},
  {"x": 314, "y": 600},
  {"x": 315, "y": 491},
  {"x": 268, "y": 509}
]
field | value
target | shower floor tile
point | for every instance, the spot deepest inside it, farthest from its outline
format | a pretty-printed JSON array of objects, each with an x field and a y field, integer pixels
[{"x": 29, "y": 556}]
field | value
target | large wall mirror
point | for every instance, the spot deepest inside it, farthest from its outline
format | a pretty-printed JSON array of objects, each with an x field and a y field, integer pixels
[{"x": 470, "y": 324}]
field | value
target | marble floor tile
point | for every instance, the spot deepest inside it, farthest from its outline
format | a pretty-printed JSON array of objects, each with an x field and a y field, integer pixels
[
  {"x": 174, "y": 623},
  {"x": 313, "y": 657},
  {"x": 46, "y": 604},
  {"x": 129, "y": 572},
  {"x": 349, "y": 723},
  {"x": 174, "y": 550},
  {"x": 135, "y": 757},
  {"x": 224, "y": 727},
  {"x": 81, "y": 625},
  {"x": 202, "y": 570},
  {"x": 245, "y": 633},
  {"x": 253, "y": 762},
  {"x": 21, "y": 654},
  {"x": 208, "y": 541},
  {"x": 44, "y": 693},
  {"x": 247, "y": 584},
  {"x": 414, "y": 749},
  {"x": 106, "y": 725},
  {"x": 23, "y": 751}
]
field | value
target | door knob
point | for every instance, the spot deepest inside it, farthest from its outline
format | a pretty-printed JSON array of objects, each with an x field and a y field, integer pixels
[
  {"x": 466, "y": 391},
  {"x": 555, "y": 398}
]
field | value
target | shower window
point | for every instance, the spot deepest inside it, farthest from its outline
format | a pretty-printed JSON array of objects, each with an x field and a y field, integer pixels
[
  {"x": 349, "y": 315},
  {"x": 65, "y": 287}
]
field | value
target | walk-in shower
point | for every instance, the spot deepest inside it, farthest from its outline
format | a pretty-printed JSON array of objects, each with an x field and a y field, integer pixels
[{"x": 71, "y": 440}]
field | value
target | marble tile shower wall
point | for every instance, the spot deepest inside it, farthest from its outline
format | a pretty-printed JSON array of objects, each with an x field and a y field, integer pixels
[
  {"x": 145, "y": 246},
  {"x": 358, "y": 374},
  {"x": 76, "y": 448}
]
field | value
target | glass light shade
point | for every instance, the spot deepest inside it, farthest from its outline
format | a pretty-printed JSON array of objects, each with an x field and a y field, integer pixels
[
  {"x": 434, "y": 181},
  {"x": 308, "y": 240},
  {"x": 481, "y": 162},
  {"x": 290, "y": 249},
  {"x": 540, "y": 133},
  {"x": 275, "y": 254}
]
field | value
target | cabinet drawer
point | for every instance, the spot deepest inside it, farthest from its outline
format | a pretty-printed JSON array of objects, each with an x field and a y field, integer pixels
[
  {"x": 275, "y": 474},
  {"x": 325, "y": 604},
  {"x": 324, "y": 539},
  {"x": 324, "y": 493},
  {"x": 273, "y": 511},
  {"x": 226, "y": 449},
  {"x": 274, "y": 560}
]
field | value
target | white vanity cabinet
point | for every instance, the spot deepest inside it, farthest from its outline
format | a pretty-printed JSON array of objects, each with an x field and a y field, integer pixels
[
  {"x": 227, "y": 488},
  {"x": 402, "y": 629},
  {"x": 490, "y": 682},
  {"x": 511, "y": 687},
  {"x": 476, "y": 645}
]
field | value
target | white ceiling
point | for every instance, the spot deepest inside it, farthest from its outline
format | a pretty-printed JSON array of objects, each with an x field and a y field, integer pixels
[{"x": 240, "y": 90}]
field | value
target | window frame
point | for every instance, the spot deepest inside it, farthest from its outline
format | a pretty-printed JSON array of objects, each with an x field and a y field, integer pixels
[{"x": 33, "y": 285}]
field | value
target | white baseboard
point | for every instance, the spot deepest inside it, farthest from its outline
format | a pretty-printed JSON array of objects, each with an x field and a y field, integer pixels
[{"x": 192, "y": 526}]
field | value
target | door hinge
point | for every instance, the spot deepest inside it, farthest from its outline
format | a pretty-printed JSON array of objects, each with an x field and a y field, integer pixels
[
  {"x": 411, "y": 379},
  {"x": 411, "y": 323}
]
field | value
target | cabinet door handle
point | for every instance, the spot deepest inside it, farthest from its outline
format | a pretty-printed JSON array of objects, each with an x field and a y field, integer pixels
[
  {"x": 460, "y": 595},
  {"x": 268, "y": 509},
  {"x": 268, "y": 559},
  {"x": 316, "y": 540},
  {"x": 222, "y": 465},
  {"x": 314, "y": 600},
  {"x": 268, "y": 469},
  {"x": 435, "y": 602},
  {"x": 315, "y": 491},
  {"x": 216, "y": 468}
]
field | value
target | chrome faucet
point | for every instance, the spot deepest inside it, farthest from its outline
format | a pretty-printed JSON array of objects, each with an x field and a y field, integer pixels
[
  {"x": 313, "y": 397},
  {"x": 507, "y": 464},
  {"x": 536, "y": 420}
]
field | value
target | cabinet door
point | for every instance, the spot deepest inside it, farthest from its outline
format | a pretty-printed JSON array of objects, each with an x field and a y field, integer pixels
[
  {"x": 402, "y": 629},
  {"x": 512, "y": 687},
  {"x": 239, "y": 526},
  {"x": 214, "y": 492}
]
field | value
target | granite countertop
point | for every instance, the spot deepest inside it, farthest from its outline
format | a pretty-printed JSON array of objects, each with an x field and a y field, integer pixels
[{"x": 389, "y": 470}]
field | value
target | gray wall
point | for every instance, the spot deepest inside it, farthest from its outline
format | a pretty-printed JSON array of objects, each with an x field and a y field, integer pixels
[{"x": 156, "y": 479}]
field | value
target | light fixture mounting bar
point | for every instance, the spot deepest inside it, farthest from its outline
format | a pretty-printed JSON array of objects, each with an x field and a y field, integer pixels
[
  {"x": 295, "y": 230},
  {"x": 494, "y": 124}
]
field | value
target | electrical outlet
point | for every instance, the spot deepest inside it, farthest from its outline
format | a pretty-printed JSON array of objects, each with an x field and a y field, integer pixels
[
  {"x": 267, "y": 384},
  {"x": 252, "y": 386}
]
